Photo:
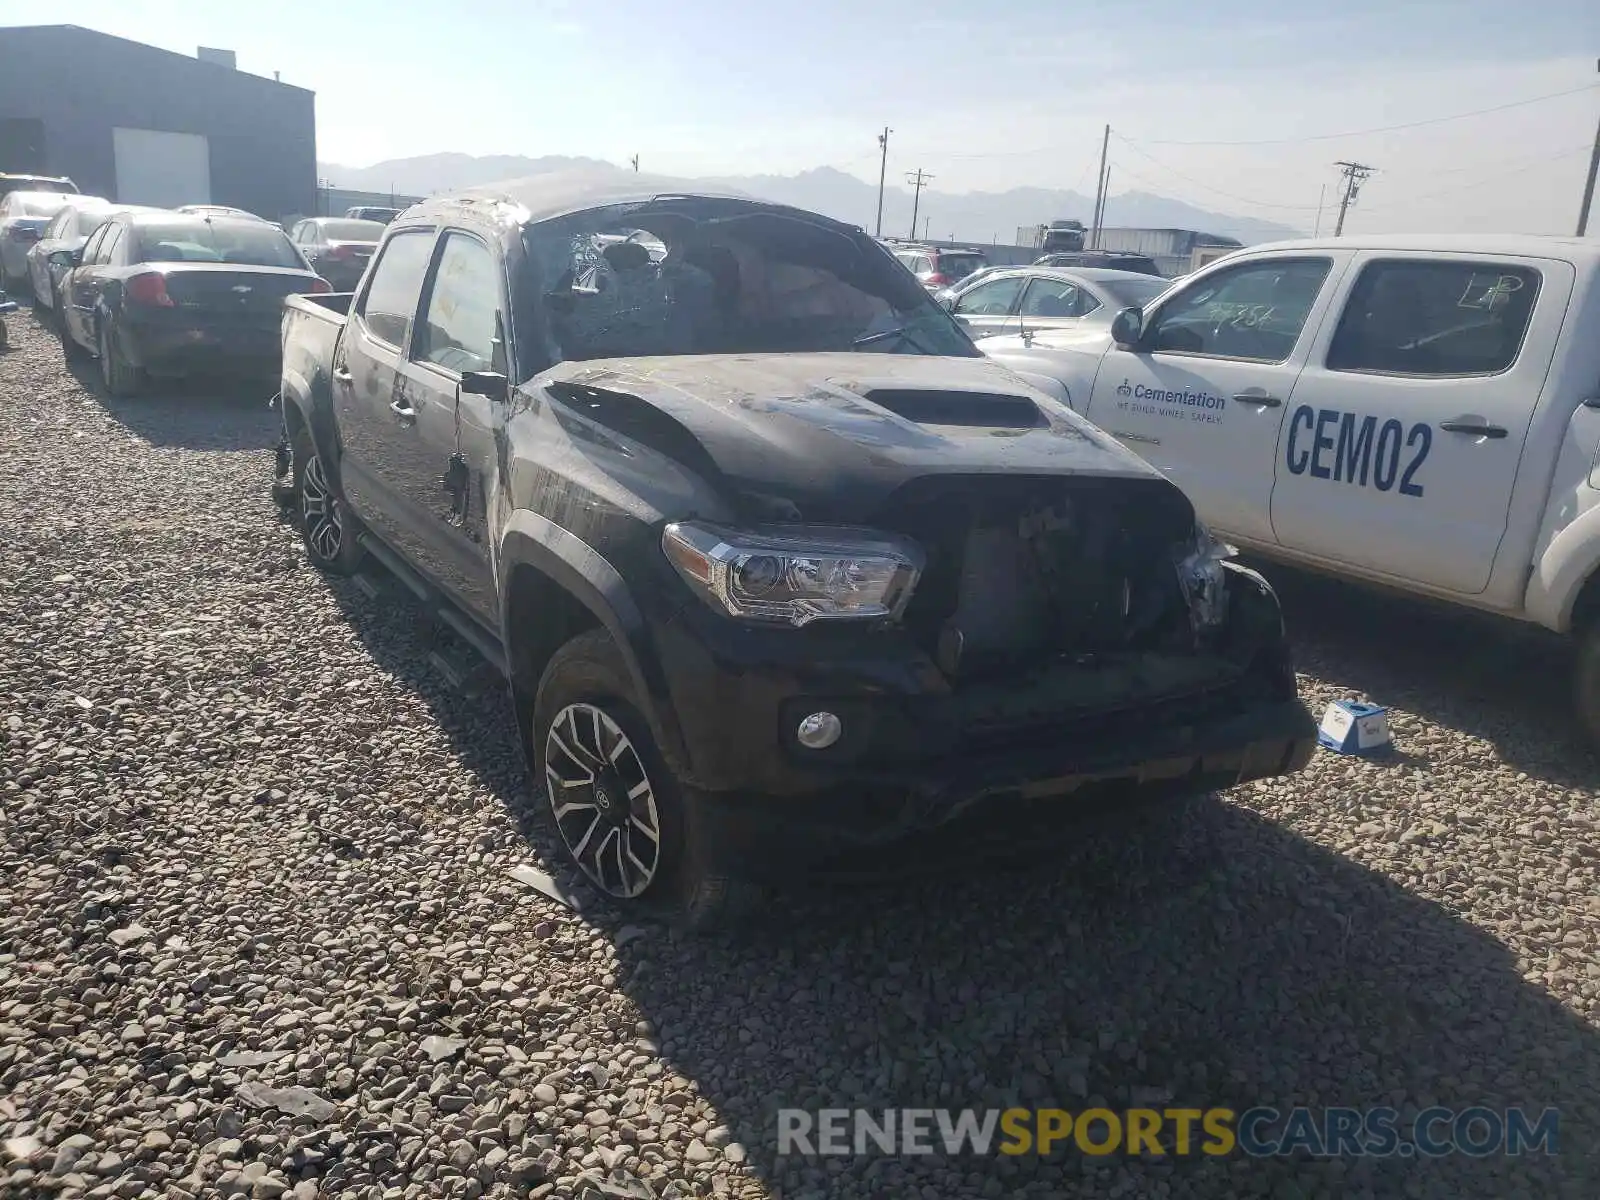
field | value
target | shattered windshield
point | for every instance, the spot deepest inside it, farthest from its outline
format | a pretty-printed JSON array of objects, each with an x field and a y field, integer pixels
[{"x": 689, "y": 275}]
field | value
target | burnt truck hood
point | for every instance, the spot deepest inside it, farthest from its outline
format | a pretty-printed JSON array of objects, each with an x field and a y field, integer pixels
[{"x": 835, "y": 434}]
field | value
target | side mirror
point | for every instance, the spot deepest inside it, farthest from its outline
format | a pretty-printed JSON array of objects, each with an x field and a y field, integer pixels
[
  {"x": 1127, "y": 327},
  {"x": 948, "y": 303},
  {"x": 65, "y": 258},
  {"x": 485, "y": 383}
]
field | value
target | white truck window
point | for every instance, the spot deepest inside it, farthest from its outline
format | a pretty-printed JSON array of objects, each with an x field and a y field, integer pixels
[
  {"x": 1429, "y": 318},
  {"x": 1252, "y": 312}
]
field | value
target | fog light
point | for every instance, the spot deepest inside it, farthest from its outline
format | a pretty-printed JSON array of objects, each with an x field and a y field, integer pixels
[{"x": 819, "y": 731}]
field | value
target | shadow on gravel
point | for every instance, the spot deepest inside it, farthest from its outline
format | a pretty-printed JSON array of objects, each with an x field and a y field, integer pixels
[
  {"x": 1274, "y": 973},
  {"x": 202, "y": 413},
  {"x": 1503, "y": 682},
  {"x": 1262, "y": 970},
  {"x": 196, "y": 414}
]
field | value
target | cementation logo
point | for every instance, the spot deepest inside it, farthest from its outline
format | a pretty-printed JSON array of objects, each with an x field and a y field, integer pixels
[
  {"x": 1159, "y": 1132},
  {"x": 1184, "y": 396}
]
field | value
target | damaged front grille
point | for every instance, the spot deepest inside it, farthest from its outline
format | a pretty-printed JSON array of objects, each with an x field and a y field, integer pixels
[{"x": 1022, "y": 569}]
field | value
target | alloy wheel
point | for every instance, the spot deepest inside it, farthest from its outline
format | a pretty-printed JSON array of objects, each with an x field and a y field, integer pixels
[
  {"x": 603, "y": 801},
  {"x": 319, "y": 509}
]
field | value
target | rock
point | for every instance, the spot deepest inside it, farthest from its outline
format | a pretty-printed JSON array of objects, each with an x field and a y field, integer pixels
[
  {"x": 440, "y": 1048},
  {"x": 298, "y": 1101},
  {"x": 697, "y": 1152}
]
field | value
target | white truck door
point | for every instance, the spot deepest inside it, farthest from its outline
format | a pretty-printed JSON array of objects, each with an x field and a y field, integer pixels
[
  {"x": 1403, "y": 443},
  {"x": 1203, "y": 394}
]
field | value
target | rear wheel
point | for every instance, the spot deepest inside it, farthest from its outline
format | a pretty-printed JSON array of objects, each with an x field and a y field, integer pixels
[
  {"x": 622, "y": 816},
  {"x": 70, "y": 349},
  {"x": 326, "y": 524},
  {"x": 121, "y": 378},
  {"x": 1586, "y": 680}
]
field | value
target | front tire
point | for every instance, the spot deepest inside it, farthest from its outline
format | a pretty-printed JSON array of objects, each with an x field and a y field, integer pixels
[
  {"x": 327, "y": 526},
  {"x": 622, "y": 816}
]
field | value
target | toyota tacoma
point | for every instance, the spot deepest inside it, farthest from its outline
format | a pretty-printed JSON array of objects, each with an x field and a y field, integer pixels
[{"x": 781, "y": 571}]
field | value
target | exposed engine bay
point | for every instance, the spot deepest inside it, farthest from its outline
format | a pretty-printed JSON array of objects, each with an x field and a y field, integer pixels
[{"x": 1023, "y": 570}]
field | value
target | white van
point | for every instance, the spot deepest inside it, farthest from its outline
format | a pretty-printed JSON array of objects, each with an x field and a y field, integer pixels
[{"x": 1417, "y": 412}]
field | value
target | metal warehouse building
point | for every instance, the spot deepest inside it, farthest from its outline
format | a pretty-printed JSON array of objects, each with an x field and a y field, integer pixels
[{"x": 147, "y": 126}]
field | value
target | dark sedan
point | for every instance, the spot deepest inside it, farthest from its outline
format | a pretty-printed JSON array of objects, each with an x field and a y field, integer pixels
[
  {"x": 171, "y": 294},
  {"x": 338, "y": 248}
]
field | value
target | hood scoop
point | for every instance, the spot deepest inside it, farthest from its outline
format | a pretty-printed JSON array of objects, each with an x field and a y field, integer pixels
[{"x": 983, "y": 410}]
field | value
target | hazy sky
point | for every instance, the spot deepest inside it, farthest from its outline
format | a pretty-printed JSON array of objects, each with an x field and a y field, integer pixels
[{"x": 985, "y": 96}]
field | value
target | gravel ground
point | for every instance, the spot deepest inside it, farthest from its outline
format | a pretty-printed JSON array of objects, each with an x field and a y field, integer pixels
[{"x": 251, "y": 840}]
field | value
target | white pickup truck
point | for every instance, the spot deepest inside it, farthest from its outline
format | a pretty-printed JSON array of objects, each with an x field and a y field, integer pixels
[{"x": 1416, "y": 412}]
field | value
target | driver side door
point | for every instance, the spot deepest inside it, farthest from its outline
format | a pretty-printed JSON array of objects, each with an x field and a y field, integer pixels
[{"x": 1203, "y": 394}]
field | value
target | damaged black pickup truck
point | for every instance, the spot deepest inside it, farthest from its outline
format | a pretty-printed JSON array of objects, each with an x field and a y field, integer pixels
[{"x": 779, "y": 568}]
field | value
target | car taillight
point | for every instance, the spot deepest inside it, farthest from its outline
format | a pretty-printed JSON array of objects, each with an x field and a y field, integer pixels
[
  {"x": 937, "y": 279},
  {"x": 341, "y": 252},
  {"x": 320, "y": 286},
  {"x": 148, "y": 287}
]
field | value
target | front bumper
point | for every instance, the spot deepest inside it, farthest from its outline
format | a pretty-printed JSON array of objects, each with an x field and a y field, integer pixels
[
  {"x": 1026, "y": 795},
  {"x": 918, "y": 755}
]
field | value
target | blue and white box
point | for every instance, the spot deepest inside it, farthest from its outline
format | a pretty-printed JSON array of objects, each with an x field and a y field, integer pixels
[{"x": 1351, "y": 727}]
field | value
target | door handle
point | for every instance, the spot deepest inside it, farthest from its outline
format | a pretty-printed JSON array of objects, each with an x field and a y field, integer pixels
[
  {"x": 342, "y": 374},
  {"x": 402, "y": 410},
  {"x": 1257, "y": 396},
  {"x": 1473, "y": 428}
]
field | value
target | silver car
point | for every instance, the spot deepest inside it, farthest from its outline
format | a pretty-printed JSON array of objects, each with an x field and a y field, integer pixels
[
  {"x": 1037, "y": 298},
  {"x": 68, "y": 230},
  {"x": 23, "y": 216}
]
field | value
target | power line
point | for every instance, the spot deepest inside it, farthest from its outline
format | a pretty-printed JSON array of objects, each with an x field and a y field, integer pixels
[
  {"x": 1206, "y": 186},
  {"x": 1289, "y": 141},
  {"x": 1328, "y": 137},
  {"x": 918, "y": 179},
  {"x": 1473, "y": 184}
]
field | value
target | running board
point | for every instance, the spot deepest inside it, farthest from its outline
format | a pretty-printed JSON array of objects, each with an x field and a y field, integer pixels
[{"x": 438, "y": 608}]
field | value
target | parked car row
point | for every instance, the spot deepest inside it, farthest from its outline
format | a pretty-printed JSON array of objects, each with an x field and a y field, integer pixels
[{"x": 149, "y": 291}]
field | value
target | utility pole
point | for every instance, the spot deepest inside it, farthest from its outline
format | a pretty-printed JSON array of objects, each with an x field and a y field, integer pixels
[
  {"x": 1322, "y": 191},
  {"x": 1588, "y": 184},
  {"x": 1105, "y": 201},
  {"x": 1355, "y": 174},
  {"x": 883, "y": 169},
  {"x": 918, "y": 179},
  {"x": 635, "y": 161},
  {"x": 1099, "y": 190}
]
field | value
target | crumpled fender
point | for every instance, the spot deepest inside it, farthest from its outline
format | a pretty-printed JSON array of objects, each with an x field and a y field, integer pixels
[{"x": 577, "y": 568}]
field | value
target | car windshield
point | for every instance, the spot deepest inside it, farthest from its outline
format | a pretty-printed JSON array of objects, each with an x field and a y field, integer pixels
[
  {"x": 959, "y": 266},
  {"x": 692, "y": 275},
  {"x": 216, "y": 241},
  {"x": 1133, "y": 293},
  {"x": 352, "y": 231},
  {"x": 38, "y": 204}
]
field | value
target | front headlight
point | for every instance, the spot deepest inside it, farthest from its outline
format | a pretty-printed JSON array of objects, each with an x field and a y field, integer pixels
[
  {"x": 795, "y": 574},
  {"x": 1201, "y": 575}
]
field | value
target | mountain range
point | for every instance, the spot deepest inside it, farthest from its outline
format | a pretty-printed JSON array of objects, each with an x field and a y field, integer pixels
[{"x": 979, "y": 217}]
